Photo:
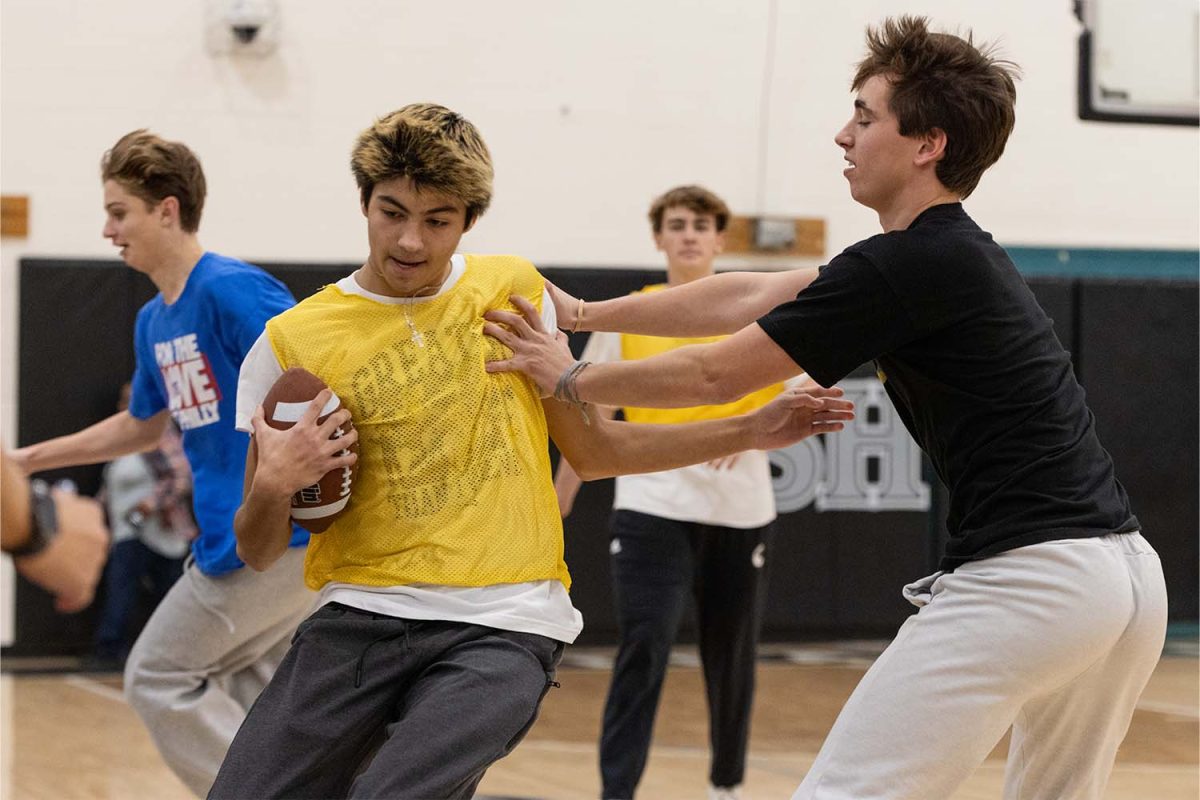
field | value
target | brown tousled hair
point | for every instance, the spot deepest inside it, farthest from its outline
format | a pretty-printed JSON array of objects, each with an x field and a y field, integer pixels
[
  {"x": 153, "y": 169},
  {"x": 944, "y": 81},
  {"x": 696, "y": 199}
]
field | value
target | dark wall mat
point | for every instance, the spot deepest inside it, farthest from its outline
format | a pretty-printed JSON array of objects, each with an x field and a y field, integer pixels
[
  {"x": 1140, "y": 356},
  {"x": 75, "y": 352},
  {"x": 832, "y": 573}
]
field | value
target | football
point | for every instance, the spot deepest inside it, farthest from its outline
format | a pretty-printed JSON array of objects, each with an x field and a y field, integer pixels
[{"x": 315, "y": 507}]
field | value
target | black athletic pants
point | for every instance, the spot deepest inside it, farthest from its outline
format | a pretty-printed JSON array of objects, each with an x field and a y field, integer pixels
[
  {"x": 371, "y": 706},
  {"x": 656, "y": 563}
]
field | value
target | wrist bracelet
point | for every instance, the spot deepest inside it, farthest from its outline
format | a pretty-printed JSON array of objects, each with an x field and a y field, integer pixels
[
  {"x": 43, "y": 520},
  {"x": 578, "y": 317},
  {"x": 566, "y": 390}
]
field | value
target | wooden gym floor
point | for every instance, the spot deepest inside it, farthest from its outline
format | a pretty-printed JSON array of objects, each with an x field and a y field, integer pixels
[{"x": 72, "y": 737}]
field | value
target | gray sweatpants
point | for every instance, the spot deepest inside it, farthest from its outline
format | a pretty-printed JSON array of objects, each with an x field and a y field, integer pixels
[
  {"x": 367, "y": 705},
  {"x": 1056, "y": 640},
  {"x": 206, "y": 653}
]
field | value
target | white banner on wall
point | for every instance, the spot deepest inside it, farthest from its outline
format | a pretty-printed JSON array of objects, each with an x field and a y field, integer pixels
[{"x": 872, "y": 465}]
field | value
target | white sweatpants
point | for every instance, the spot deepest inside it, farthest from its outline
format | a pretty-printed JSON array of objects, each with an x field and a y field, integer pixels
[
  {"x": 205, "y": 655},
  {"x": 1056, "y": 640}
]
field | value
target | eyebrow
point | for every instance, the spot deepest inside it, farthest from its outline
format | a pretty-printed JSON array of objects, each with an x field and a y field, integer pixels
[
  {"x": 113, "y": 204},
  {"x": 861, "y": 105},
  {"x": 439, "y": 210}
]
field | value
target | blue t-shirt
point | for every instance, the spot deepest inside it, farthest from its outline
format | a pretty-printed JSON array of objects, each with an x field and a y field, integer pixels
[{"x": 188, "y": 357}]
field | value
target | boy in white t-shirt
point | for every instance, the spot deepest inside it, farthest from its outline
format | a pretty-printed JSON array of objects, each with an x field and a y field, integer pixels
[{"x": 702, "y": 530}]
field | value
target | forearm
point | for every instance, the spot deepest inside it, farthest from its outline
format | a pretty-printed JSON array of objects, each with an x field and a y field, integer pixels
[
  {"x": 716, "y": 305},
  {"x": 263, "y": 527},
  {"x": 704, "y": 374},
  {"x": 119, "y": 435},
  {"x": 622, "y": 448},
  {"x": 680, "y": 378},
  {"x": 567, "y": 482},
  {"x": 606, "y": 448}
]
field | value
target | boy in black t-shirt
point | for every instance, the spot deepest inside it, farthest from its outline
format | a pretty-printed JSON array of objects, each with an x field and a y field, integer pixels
[{"x": 1050, "y": 610}]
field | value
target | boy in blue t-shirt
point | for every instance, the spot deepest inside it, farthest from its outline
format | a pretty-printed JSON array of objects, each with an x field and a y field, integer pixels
[{"x": 216, "y": 638}]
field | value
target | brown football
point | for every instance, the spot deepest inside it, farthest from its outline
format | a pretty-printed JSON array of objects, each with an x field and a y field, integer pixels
[{"x": 315, "y": 507}]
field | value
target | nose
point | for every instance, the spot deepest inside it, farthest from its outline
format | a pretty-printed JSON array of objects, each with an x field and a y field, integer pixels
[
  {"x": 110, "y": 230},
  {"x": 409, "y": 239},
  {"x": 843, "y": 138}
]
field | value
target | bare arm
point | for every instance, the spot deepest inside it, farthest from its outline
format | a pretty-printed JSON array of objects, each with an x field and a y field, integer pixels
[
  {"x": 69, "y": 567},
  {"x": 262, "y": 524},
  {"x": 566, "y": 480},
  {"x": 703, "y": 374},
  {"x": 119, "y": 435},
  {"x": 279, "y": 464},
  {"x": 607, "y": 448},
  {"x": 718, "y": 304}
]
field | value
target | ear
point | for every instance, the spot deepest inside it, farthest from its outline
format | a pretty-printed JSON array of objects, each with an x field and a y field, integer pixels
[
  {"x": 657, "y": 236},
  {"x": 932, "y": 149},
  {"x": 167, "y": 210},
  {"x": 720, "y": 248}
]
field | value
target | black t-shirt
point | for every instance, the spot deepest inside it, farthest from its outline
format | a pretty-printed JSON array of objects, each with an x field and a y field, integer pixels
[{"x": 973, "y": 367}]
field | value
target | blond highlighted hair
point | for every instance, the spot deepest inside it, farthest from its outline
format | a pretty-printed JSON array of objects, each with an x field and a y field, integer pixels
[{"x": 436, "y": 148}]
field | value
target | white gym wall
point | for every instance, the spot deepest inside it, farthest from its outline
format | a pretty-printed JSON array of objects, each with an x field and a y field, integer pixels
[{"x": 590, "y": 109}]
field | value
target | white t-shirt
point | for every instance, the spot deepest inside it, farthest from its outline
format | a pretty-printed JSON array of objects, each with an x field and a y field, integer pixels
[
  {"x": 740, "y": 496},
  {"x": 540, "y": 607}
]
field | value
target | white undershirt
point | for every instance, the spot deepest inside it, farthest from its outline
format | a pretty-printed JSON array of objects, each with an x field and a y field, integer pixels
[{"x": 539, "y": 607}]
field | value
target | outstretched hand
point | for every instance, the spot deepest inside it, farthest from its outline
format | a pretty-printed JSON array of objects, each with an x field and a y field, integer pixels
[
  {"x": 540, "y": 354},
  {"x": 798, "y": 413},
  {"x": 70, "y": 566},
  {"x": 298, "y": 457}
]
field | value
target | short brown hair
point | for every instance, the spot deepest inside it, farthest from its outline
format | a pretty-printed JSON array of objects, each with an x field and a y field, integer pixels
[
  {"x": 696, "y": 199},
  {"x": 154, "y": 169},
  {"x": 944, "y": 81},
  {"x": 436, "y": 148}
]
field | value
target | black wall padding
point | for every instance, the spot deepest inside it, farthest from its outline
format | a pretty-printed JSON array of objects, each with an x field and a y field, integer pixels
[
  {"x": 76, "y": 349},
  {"x": 1140, "y": 358},
  {"x": 831, "y": 574}
]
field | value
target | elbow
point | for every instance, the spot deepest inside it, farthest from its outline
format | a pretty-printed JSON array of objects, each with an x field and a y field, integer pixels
[
  {"x": 592, "y": 471},
  {"x": 718, "y": 386},
  {"x": 255, "y": 554},
  {"x": 254, "y": 560},
  {"x": 248, "y": 557},
  {"x": 592, "y": 463},
  {"x": 150, "y": 436},
  {"x": 585, "y": 465}
]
